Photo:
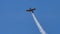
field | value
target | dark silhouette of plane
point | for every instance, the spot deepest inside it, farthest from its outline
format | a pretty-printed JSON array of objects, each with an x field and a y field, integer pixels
[{"x": 31, "y": 10}]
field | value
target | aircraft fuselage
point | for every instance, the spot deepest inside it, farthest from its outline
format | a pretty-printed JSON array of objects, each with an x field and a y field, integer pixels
[{"x": 31, "y": 10}]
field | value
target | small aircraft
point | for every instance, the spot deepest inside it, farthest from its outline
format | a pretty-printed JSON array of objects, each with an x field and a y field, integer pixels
[{"x": 31, "y": 10}]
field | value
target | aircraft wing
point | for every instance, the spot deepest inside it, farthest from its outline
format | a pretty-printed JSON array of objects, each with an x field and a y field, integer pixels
[{"x": 27, "y": 10}]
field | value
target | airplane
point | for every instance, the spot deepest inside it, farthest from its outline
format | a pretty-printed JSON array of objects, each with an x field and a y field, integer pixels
[{"x": 31, "y": 10}]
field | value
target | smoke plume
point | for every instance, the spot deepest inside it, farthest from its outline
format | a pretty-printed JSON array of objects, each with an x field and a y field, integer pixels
[{"x": 38, "y": 25}]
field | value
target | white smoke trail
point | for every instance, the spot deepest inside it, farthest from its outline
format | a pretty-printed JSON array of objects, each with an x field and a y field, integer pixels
[{"x": 38, "y": 25}]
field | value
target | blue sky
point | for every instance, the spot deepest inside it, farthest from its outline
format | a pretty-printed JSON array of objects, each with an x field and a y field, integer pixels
[{"x": 15, "y": 20}]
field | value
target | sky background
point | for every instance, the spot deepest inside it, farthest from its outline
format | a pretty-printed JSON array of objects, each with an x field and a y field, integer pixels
[{"x": 15, "y": 20}]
